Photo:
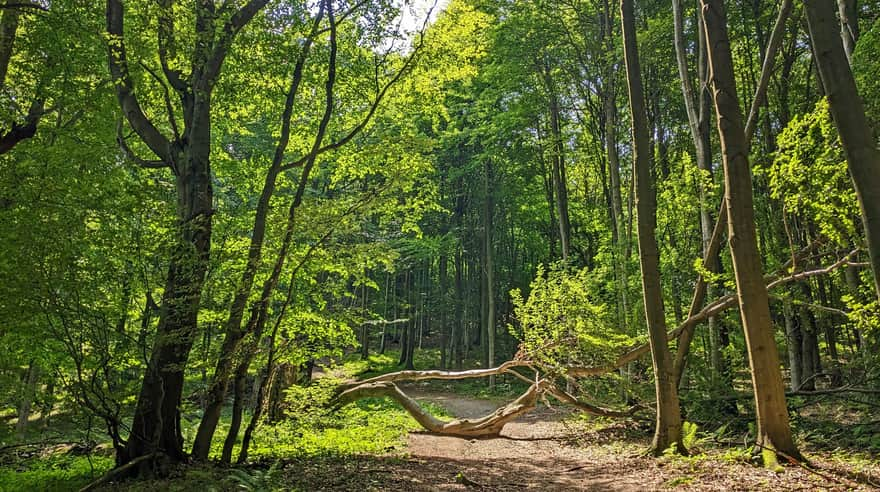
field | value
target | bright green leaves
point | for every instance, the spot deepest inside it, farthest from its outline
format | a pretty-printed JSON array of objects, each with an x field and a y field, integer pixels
[
  {"x": 809, "y": 175},
  {"x": 561, "y": 323}
]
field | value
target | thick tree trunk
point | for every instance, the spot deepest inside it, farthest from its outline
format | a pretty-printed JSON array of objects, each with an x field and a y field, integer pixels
[
  {"x": 155, "y": 429},
  {"x": 668, "y": 424},
  {"x": 156, "y": 422},
  {"x": 848, "y": 111},
  {"x": 8, "y": 30},
  {"x": 774, "y": 431}
]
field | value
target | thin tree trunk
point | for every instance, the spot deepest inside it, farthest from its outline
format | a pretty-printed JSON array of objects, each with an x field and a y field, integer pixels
[
  {"x": 794, "y": 341},
  {"x": 488, "y": 211},
  {"x": 27, "y": 399},
  {"x": 560, "y": 181},
  {"x": 668, "y": 420},
  {"x": 458, "y": 325},
  {"x": 849, "y": 26}
]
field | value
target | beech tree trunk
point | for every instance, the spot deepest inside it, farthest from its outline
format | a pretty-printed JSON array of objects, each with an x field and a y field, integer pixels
[
  {"x": 560, "y": 180},
  {"x": 668, "y": 422},
  {"x": 774, "y": 431},
  {"x": 27, "y": 398},
  {"x": 488, "y": 212},
  {"x": 849, "y": 26},
  {"x": 794, "y": 342},
  {"x": 155, "y": 429},
  {"x": 852, "y": 125}
]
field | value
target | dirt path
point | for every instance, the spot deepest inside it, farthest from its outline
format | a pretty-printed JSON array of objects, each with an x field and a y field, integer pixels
[
  {"x": 542, "y": 452},
  {"x": 531, "y": 453}
]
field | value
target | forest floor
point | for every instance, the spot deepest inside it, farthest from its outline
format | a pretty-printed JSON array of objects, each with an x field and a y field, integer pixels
[
  {"x": 548, "y": 449},
  {"x": 366, "y": 447}
]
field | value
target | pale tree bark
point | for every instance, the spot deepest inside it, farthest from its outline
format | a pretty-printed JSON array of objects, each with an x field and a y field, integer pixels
[
  {"x": 698, "y": 122},
  {"x": 852, "y": 125},
  {"x": 27, "y": 399},
  {"x": 560, "y": 180},
  {"x": 668, "y": 422},
  {"x": 849, "y": 25},
  {"x": 774, "y": 430},
  {"x": 488, "y": 212}
]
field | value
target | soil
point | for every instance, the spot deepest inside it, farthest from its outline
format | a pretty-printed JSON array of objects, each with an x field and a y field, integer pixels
[{"x": 545, "y": 451}]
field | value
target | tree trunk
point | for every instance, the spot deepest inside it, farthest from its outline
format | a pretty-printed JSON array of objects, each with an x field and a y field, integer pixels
[
  {"x": 560, "y": 181},
  {"x": 488, "y": 210},
  {"x": 27, "y": 399},
  {"x": 238, "y": 390},
  {"x": 668, "y": 420},
  {"x": 794, "y": 341},
  {"x": 8, "y": 30},
  {"x": 458, "y": 324},
  {"x": 774, "y": 431},
  {"x": 848, "y": 111},
  {"x": 849, "y": 26},
  {"x": 444, "y": 317},
  {"x": 155, "y": 429},
  {"x": 156, "y": 422}
]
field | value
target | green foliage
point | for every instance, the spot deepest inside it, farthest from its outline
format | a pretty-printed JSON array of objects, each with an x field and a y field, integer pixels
[
  {"x": 311, "y": 428},
  {"x": 258, "y": 480},
  {"x": 809, "y": 174},
  {"x": 560, "y": 323},
  {"x": 55, "y": 473}
]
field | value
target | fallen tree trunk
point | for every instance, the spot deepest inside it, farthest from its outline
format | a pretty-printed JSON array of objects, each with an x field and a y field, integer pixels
[
  {"x": 487, "y": 426},
  {"x": 492, "y": 424}
]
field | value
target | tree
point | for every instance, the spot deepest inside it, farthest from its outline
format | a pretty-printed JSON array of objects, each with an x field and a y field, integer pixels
[
  {"x": 848, "y": 111},
  {"x": 667, "y": 431},
  {"x": 774, "y": 431},
  {"x": 155, "y": 428}
]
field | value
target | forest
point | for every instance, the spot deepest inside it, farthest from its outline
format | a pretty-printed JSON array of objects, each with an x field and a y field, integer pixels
[{"x": 563, "y": 245}]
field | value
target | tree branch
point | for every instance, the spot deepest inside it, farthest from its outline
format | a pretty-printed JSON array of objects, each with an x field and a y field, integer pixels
[{"x": 131, "y": 108}]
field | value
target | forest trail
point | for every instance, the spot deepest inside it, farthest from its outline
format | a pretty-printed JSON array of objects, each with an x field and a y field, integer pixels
[{"x": 534, "y": 452}]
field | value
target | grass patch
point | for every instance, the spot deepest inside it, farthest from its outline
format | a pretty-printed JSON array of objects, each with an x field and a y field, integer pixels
[{"x": 53, "y": 473}]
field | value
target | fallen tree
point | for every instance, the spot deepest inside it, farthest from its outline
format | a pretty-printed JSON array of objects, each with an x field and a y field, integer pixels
[{"x": 544, "y": 382}]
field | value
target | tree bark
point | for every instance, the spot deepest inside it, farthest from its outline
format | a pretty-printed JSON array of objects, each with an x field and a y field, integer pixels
[
  {"x": 155, "y": 429},
  {"x": 852, "y": 125},
  {"x": 794, "y": 342},
  {"x": 488, "y": 212},
  {"x": 27, "y": 399},
  {"x": 774, "y": 431},
  {"x": 668, "y": 423},
  {"x": 560, "y": 180},
  {"x": 849, "y": 26}
]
